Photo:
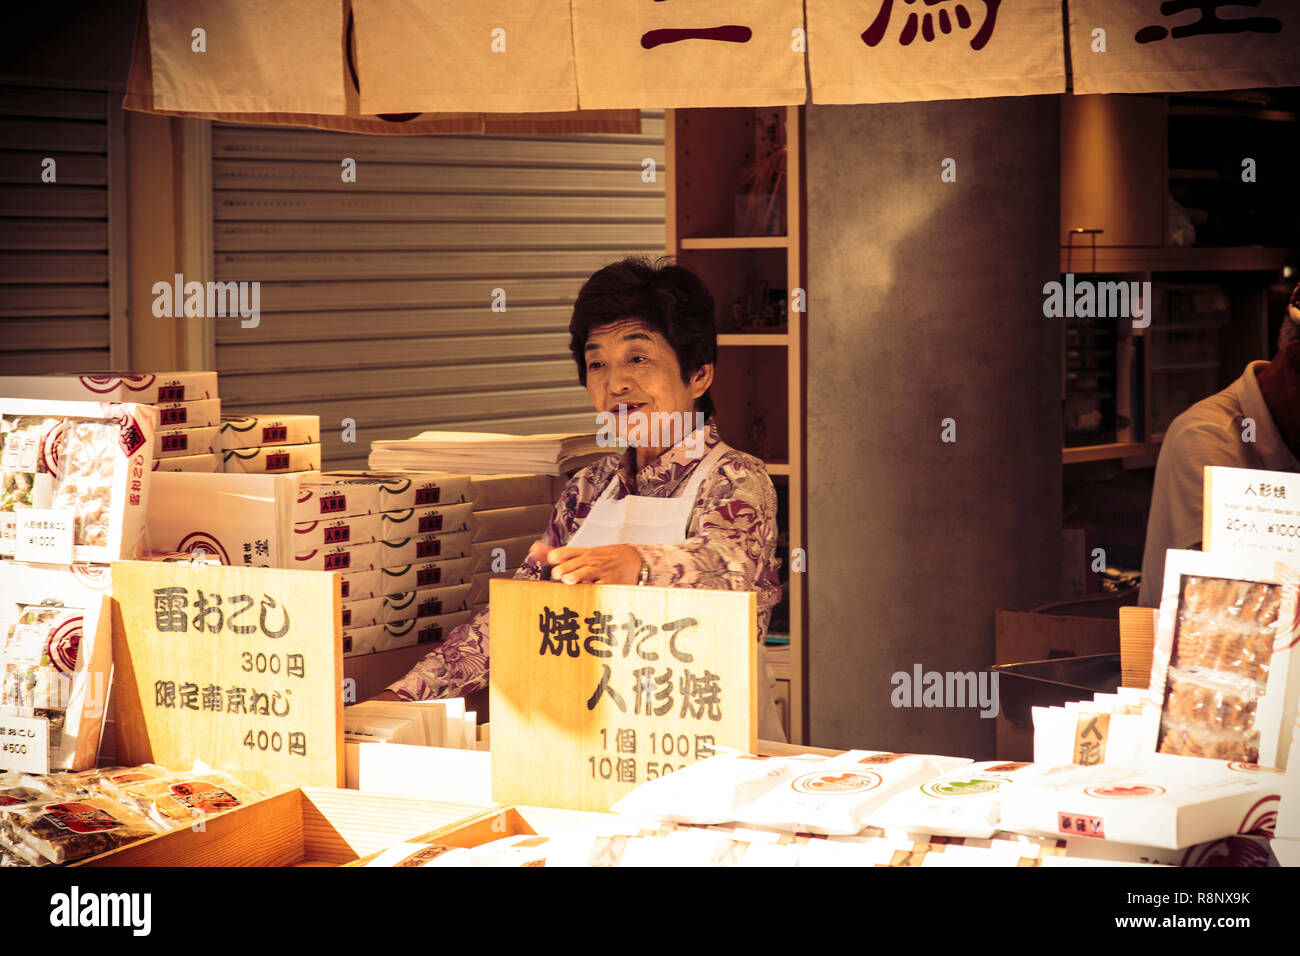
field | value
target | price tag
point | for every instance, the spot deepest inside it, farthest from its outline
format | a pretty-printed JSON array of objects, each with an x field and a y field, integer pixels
[
  {"x": 24, "y": 743},
  {"x": 44, "y": 536}
]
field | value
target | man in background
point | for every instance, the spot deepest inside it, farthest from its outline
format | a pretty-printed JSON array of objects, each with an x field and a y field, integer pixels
[{"x": 1253, "y": 423}]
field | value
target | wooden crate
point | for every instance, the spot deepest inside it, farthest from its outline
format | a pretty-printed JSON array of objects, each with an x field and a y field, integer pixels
[{"x": 309, "y": 826}]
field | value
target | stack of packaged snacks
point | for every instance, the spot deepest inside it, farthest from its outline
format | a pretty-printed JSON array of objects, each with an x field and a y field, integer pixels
[
  {"x": 270, "y": 444},
  {"x": 65, "y": 817}
]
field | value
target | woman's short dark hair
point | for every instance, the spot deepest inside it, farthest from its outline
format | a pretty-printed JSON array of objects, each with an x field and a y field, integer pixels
[{"x": 668, "y": 298}]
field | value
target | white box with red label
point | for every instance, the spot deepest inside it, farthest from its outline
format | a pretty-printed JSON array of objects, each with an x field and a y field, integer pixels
[
  {"x": 254, "y": 431},
  {"x": 1173, "y": 802},
  {"x": 412, "y": 522},
  {"x": 183, "y": 442},
  {"x": 425, "y": 547},
  {"x": 142, "y": 388},
  {"x": 271, "y": 459},
  {"x": 205, "y": 413}
]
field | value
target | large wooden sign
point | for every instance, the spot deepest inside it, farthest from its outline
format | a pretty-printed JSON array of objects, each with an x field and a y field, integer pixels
[
  {"x": 240, "y": 668},
  {"x": 596, "y": 689}
]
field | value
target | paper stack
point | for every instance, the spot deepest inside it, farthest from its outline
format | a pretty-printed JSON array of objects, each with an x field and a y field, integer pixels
[
  {"x": 488, "y": 453},
  {"x": 188, "y": 408},
  {"x": 421, "y": 723}
]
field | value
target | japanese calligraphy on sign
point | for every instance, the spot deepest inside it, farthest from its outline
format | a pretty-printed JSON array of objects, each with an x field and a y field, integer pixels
[
  {"x": 1250, "y": 511},
  {"x": 596, "y": 689},
  {"x": 641, "y": 53},
  {"x": 238, "y": 667},
  {"x": 886, "y": 51},
  {"x": 1152, "y": 46}
]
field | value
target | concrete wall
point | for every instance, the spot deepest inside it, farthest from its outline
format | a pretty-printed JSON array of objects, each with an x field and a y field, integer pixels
[{"x": 925, "y": 303}]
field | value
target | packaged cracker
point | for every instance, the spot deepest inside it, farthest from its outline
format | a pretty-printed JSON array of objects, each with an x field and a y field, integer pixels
[
  {"x": 112, "y": 779},
  {"x": 1222, "y": 658},
  {"x": 64, "y": 832},
  {"x": 18, "y": 795},
  {"x": 714, "y": 790},
  {"x": 965, "y": 804},
  {"x": 837, "y": 795},
  {"x": 179, "y": 800}
]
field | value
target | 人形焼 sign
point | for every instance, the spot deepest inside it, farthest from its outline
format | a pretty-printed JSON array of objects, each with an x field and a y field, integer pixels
[{"x": 596, "y": 689}]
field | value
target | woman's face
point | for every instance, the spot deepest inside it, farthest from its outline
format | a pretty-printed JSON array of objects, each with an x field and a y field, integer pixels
[{"x": 632, "y": 369}]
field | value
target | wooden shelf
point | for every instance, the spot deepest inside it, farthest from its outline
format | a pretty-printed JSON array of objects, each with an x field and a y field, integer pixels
[
  {"x": 707, "y": 152},
  {"x": 1115, "y": 450},
  {"x": 736, "y": 242},
  {"x": 1158, "y": 259},
  {"x": 754, "y": 338}
]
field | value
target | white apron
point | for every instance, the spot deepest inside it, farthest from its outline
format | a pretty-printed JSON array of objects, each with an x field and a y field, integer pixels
[{"x": 637, "y": 519}]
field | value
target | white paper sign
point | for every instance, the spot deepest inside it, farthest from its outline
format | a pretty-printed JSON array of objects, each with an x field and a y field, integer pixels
[
  {"x": 24, "y": 743},
  {"x": 44, "y": 536},
  {"x": 1249, "y": 511}
]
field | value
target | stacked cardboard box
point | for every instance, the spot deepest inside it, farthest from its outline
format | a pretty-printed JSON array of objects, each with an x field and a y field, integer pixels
[
  {"x": 510, "y": 513},
  {"x": 270, "y": 444},
  {"x": 189, "y": 410},
  {"x": 402, "y": 544}
]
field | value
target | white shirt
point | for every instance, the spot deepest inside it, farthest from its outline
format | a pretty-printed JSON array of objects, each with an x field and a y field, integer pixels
[{"x": 1208, "y": 433}]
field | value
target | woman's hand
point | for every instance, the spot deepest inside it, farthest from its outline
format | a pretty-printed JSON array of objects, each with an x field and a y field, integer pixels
[{"x": 608, "y": 564}]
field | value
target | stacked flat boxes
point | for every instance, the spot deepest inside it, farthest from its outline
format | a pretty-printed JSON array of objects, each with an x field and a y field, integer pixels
[
  {"x": 510, "y": 513},
  {"x": 402, "y": 543},
  {"x": 270, "y": 444}
]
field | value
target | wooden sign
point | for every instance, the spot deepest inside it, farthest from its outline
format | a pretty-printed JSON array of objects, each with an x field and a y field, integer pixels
[
  {"x": 596, "y": 689},
  {"x": 1251, "y": 512},
  {"x": 241, "y": 668}
]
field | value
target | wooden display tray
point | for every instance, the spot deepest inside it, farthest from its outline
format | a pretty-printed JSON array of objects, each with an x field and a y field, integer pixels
[
  {"x": 497, "y": 823},
  {"x": 308, "y": 826}
]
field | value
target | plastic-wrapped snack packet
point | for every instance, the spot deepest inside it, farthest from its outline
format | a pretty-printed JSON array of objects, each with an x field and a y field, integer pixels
[
  {"x": 835, "y": 795},
  {"x": 180, "y": 800},
  {"x": 713, "y": 790},
  {"x": 27, "y": 456},
  {"x": 111, "y": 779},
  {"x": 85, "y": 486},
  {"x": 64, "y": 832},
  {"x": 965, "y": 804}
]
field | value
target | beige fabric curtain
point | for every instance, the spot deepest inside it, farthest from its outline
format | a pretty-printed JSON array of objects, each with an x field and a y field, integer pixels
[
  {"x": 1129, "y": 46},
  {"x": 170, "y": 93},
  {"x": 686, "y": 53},
  {"x": 491, "y": 55},
  {"x": 255, "y": 57},
  {"x": 887, "y": 51}
]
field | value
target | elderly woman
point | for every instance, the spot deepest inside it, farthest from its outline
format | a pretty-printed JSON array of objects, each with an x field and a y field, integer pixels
[{"x": 678, "y": 509}]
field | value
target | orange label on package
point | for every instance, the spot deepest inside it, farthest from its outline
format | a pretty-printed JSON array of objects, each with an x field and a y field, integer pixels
[
  {"x": 1090, "y": 733},
  {"x": 882, "y": 758},
  {"x": 200, "y": 795}
]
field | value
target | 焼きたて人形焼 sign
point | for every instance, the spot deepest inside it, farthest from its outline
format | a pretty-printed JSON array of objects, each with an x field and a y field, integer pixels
[{"x": 596, "y": 689}]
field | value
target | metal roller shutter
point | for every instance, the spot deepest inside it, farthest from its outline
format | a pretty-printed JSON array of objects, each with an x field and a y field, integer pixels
[
  {"x": 376, "y": 296},
  {"x": 58, "y": 309}
]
